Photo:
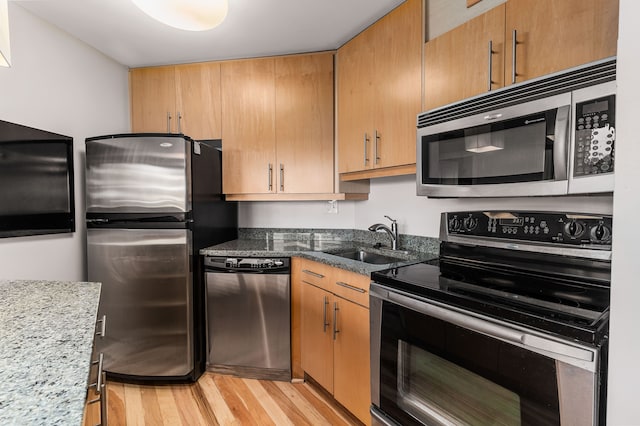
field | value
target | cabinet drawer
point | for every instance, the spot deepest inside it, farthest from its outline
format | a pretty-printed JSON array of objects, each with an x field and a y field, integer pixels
[
  {"x": 351, "y": 286},
  {"x": 315, "y": 273}
]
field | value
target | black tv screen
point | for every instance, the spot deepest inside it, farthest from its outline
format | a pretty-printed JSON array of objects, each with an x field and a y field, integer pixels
[{"x": 36, "y": 181}]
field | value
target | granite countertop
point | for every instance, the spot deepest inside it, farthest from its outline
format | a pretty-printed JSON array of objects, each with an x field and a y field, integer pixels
[
  {"x": 321, "y": 246},
  {"x": 46, "y": 338}
]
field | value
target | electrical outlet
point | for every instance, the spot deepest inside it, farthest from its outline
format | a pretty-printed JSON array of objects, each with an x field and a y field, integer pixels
[{"x": 333, "y": 207}]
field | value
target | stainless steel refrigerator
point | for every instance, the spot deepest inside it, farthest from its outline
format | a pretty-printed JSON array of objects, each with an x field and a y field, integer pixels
[{"x": 152, "y": 202}]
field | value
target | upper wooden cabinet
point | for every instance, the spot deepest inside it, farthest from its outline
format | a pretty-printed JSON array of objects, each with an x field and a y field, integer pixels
[
  {"x": 379, "y": 95},
  {"x": 459, "y": 63},
  {"x": 304, "y": 123},
  {"x": 248, "y": 123},
  {"x": 198, "y": 100},
  {"x": 278, "y": 125},
  {"x": 550, "y": 36},
  {"x": 153, "y": 99},
  {"x": 177, "y": 99},
  {"x": 554, "y": 35}
]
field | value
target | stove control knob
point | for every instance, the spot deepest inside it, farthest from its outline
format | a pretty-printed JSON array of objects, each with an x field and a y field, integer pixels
[
  {"x": 454, "y": 224},
  {"x": 600, "y": 233},
  {"x": 470, "y": 223},
  {"x": 574, "y": 229}
]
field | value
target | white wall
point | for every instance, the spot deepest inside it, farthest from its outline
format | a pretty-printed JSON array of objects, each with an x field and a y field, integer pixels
[
  {"x": 396, "y": 197},
  {"x": 59, "y": 84},
  {"x": 421, "y": 215},
  {"x": 624, "y": 406},
  {"x": 295, "y": 214}
]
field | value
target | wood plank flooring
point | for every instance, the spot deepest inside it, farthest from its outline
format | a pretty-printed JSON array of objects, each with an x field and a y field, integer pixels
[{"x": 221, "y": 400}]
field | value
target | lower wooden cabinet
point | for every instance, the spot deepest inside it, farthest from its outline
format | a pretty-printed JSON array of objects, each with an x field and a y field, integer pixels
[
  {"x": 333, "y": 332},
  {"x": 351, "y": 353},
  {"x": 95, "y": 410},
  {"x": 317, "y": 335}
]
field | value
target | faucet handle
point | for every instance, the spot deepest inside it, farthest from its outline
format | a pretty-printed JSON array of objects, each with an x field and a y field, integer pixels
[{"x": 392, "y": 220}]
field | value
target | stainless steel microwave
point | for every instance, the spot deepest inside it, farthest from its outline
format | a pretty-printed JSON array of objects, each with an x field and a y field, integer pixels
[{"x": 550, "y": 136}]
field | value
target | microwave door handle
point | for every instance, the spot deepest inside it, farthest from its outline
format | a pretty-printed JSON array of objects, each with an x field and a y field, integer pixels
[{"x": 561, "y": 133}]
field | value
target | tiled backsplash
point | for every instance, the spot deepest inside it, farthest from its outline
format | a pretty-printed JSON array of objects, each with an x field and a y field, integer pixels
[{"x": 405, "y": 242}]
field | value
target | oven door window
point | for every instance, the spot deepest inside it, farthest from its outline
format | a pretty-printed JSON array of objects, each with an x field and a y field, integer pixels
[
  {"x": 434, "y": 372},
  {"x": 516, "y": 150},
  {"x": 431, "y": 387}
]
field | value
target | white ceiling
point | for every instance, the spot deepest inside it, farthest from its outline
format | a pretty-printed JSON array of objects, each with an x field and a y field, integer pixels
[{"x": 252, "y": 28}]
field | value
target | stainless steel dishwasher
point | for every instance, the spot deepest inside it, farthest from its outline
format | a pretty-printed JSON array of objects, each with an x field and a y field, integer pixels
[{"x": 249, "y": 317}]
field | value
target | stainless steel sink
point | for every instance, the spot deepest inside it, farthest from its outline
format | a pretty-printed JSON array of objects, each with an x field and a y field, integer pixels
[{"x": 367, "y": 257}]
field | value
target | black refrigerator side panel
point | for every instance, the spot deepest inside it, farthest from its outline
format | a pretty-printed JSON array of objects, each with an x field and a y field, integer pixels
[{"x": 215, "y": 220}]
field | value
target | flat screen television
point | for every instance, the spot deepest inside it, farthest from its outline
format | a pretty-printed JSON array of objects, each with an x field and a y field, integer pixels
[{"x": 36, "y": 182}]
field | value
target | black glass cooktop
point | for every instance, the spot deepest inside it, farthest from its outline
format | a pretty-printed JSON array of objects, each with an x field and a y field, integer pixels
[{"x": 567, "y": 297}]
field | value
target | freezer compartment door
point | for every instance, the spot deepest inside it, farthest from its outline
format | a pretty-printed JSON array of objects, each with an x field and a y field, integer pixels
[
  {"x": 138, "y": 174},
  {"x": 147, "y": 297}
]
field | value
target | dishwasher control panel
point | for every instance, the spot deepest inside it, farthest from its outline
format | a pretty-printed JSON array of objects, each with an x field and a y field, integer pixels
[{"x": 256, "y": 264}]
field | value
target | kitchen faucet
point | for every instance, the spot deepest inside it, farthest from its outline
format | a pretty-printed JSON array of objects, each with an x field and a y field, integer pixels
[{"x": 393, "y": 232}]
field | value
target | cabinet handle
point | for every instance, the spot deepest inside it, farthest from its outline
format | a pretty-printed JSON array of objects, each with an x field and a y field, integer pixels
[
  {"x": 179, "y": 122},
  {"x": 168, "y": 122},
  {"x": 489, "y": 81},
  {"x": 335, "y": 320},
  {"x": 102, "y": 399},
  {"x": 270, "y": 178},
  {"x": 281, "y": 177},
  {"x": 366, "y": 142},
  {"x": 99, "y": 378},
  {"x": 350, "y": 287},
  {"x": 103, "y": 326},
  {"x": 375, "y": 147},
  {"x": 325, "y": 324},
  {"x": 315, "y": 274},
  {"x": 514, "y": 34}
]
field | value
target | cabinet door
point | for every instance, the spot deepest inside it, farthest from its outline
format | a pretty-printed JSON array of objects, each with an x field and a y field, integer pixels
[
  {"x": 398, "y": 90},
  {"x": 198, "y": 106},
  {"x": 554, "y": 35},
  {"x": 356, "y": 94},
  {"x": 352, "y": 386},
  {"x": 153, "y": 99},
  {"x": 303, "y": 272},
  {"x": 317, "y": 334},
  {"x": 304, "y": 123},
  {"x": 457, "y": 63},
  {"x": 248, "y": 126}
]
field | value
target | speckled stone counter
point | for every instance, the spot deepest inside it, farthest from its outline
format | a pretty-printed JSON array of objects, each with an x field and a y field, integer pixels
[
  {"x": 322, "y": 244},
  {"x": 46, "y": 338}
]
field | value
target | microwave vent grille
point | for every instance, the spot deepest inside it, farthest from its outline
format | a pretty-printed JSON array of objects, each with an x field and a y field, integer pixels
[{"x": 553, "y": 84}]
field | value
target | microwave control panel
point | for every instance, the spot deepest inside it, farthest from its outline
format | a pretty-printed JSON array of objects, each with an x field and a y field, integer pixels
[
  {"x": 595, "y": 135},
  {"x": 541, "y": 227}
]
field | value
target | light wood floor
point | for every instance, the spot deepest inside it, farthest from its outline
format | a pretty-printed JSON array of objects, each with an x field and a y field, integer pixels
[{"x": 221, "y": 400}]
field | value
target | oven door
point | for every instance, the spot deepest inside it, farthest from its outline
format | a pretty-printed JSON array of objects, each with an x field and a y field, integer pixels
[
  {"x": 514, "y": 151},
  {"x": 432, "y": 364}
]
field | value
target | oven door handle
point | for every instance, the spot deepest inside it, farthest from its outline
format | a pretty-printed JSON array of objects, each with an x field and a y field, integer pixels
[
  {"x": 456, "y": 318},
  {"x": 548, "y": 346}
]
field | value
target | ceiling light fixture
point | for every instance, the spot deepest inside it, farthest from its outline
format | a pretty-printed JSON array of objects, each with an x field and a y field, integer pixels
[
  {"x": 5, "y": 48},
  {"x": 190, "y": 15}
]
